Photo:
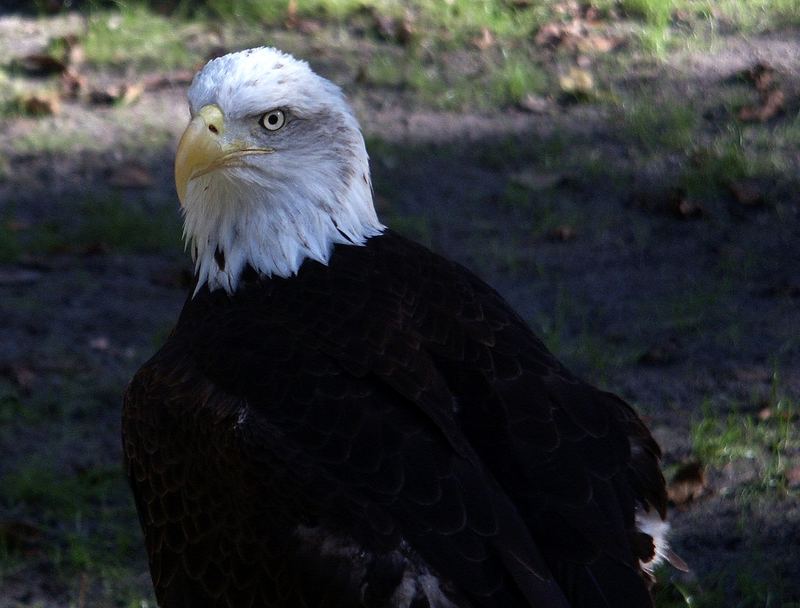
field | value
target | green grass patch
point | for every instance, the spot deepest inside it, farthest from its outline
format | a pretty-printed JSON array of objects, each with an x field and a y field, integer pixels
[
  {"x": 110, "y": 224},
  {"x": 766, "y": 440},
  {"x": 486, "y": 84},
  {"x": 136, "y": 35},
  {"x": 656, "y": 126}
]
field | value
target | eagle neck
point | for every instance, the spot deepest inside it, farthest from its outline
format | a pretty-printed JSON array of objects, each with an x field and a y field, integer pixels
[{"x": 273, "y": 230}]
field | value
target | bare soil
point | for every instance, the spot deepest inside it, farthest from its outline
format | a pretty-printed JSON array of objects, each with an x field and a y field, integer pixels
[{"x": 689, "y": 318}]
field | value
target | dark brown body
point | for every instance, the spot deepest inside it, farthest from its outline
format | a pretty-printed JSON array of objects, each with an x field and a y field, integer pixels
[{"x": 384, "y": 431}]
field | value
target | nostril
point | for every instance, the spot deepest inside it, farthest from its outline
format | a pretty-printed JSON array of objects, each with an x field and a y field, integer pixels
[{"x": 213, "y": 129}]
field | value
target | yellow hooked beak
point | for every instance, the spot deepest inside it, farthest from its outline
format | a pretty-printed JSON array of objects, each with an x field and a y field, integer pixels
[{"x": 204, "y": 148}]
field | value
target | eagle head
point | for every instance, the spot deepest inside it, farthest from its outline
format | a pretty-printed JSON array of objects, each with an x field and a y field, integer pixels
[{"x": 271, "y": 170}]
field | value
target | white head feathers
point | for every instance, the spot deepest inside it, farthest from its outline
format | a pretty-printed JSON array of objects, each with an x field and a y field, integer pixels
[{"x": 274, "y": 210}]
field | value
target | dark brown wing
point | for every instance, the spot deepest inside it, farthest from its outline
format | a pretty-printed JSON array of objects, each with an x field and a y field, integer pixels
[{"x": 412, "y": 403}]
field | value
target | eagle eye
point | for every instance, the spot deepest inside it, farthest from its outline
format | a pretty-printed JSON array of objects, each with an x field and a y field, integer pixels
[{"x": 273, "y": 120}]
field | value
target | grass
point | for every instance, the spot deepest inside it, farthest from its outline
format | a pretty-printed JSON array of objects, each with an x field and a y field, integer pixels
[
  {"x": 767, "y": 440},
  {"x": 135, "y": 35},
  {"x": 110, "y": 223},
  {"x": 658, "y": 125}
]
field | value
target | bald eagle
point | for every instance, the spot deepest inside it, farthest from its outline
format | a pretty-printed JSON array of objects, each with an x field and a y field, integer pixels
[{"x": 342, "y": 418}]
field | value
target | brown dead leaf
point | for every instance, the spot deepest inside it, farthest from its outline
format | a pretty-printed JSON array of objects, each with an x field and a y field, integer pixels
[
  {"x": 549, "y": 35},
  {"x": 578, "y": 83},
  {"x": 563, "y": 233},
  {"x": 40, "y": 64},
  {"x": 687, "y": 484},
  {"x": 597, "y": 43},
  {"x": 45, "y": 103},
  {"x": 485, "y": 40},
  {"x": 171, "y": 79},
  {"x": 100, "y": 343},
  {"x": 21, "y": 375},
  {"x": 20, "y": 536},
  {"x": 663, "y": 353},
  {"x": 72, "y": 83},
  {"x": 392, "y": 28},
  {"x": 761, "y": 76},
  {"x": 535, "y": 104},
  {"x": 123, "y": 94},
  {"x": 772, "y": 104},
  {"x": 747, "y": 192},
  {"x": 793, "y": 477},
  {"x": 682, "y": 207},
  {"x": 130, "y": 176}
]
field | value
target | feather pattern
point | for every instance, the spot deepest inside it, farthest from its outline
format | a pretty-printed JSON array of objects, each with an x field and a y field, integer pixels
[{"x": 381, "y": 431}]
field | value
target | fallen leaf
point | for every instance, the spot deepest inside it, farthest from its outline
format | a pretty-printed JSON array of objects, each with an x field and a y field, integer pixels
[
  {"x": 124, "y": 94},
  {"x": 20, "y": 536},
  {"x": 549, "y": 35},
  {"x": 761, "y": 75},
  {"x": 131, "y": 176},
  {"x": 21, "y": 375},
  {"x": 308, "y": 26},
  {"x": 599, "y": 44},
  {"x": 747, "y": 192},
  {"x": 565, "y": 232},
  {"x": 793, "y": 477},
  {"x": 682, "y": 207},
  {"x": 40, "y": 64},
  {"x": 394, "y": 29},
  {"x": 171, "y": 79},
  {"x": 100, "y": 343},
  {"x": 577, "y": 83},
  {"x": 661, "y": 354},
  {"x": 72, "y": 83},
  {"x": 535, "y": 104},
  {"x": 687, "y": 484},
  {"x": 772, "y": 104},
  {"x": 485, "y": 40},
  {"x": 40, "y": 104}
]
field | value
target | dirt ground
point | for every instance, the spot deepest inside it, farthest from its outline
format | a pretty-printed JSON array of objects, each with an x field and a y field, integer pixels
[{"x": 687, "y": 307}]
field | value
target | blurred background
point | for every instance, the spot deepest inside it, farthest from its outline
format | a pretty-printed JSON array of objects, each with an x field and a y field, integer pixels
[{"x": 625, "y": 172}]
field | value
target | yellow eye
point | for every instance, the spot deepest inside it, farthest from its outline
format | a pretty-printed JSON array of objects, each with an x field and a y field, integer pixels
[{"x": 273, "y": 120}]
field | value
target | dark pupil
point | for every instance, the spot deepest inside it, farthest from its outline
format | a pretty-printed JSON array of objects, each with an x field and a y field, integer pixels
[{"x": 273, "y": 118}]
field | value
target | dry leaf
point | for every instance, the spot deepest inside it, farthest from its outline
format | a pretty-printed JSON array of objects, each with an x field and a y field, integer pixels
[
  {"x": 124, "y": 94},
  {"x": 772, "y": 104},
  {"x": 793, "y": 477},
  {"x": 687, "y": 484},
  {"x": 549, "y": 34},
  {"x": 565, "y": 232},
  {"x": 131, "y": 176},
  {"x": 577, "y": 83},
  {"x": 131, "y": 93},
  {"x": 535, "y": 104},
  {"x": 40, "y": 64},
  {"x": 485, "y": 40},
  {"x": 661, "y": 354},
  {"x": 747, "y": 192},
  {"x": 761, "y": 75},
  {"x": 72, "y": 83},
  {"x": 21, "y": 536},
  {"x": 599, "y": 44},
  {"x": 40, "y": 104},
  {"x": 680, "y": 205},
  {"x": 101, "y": 343}
]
